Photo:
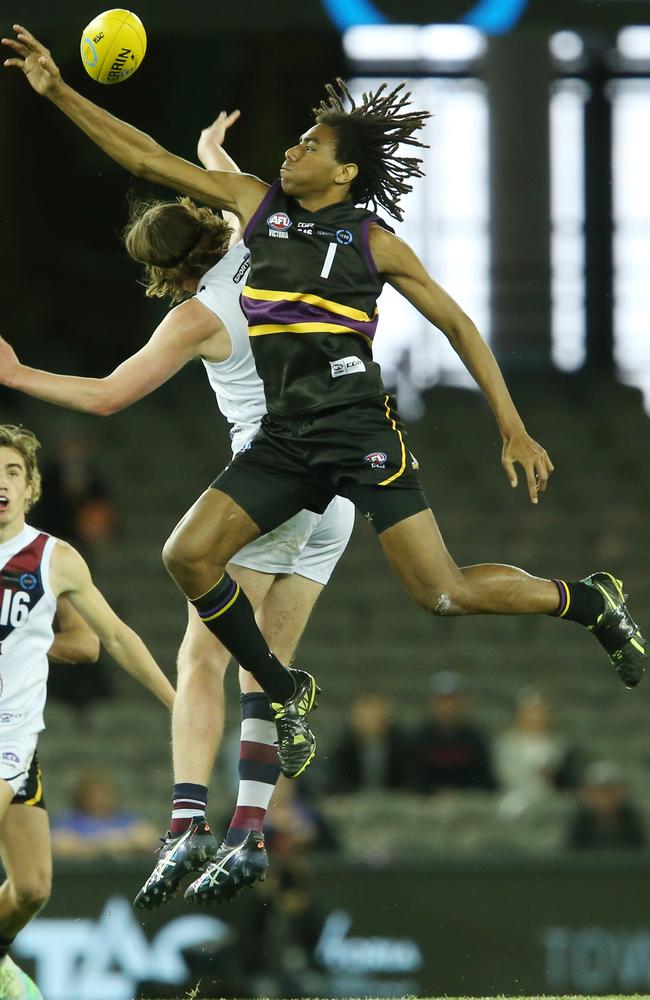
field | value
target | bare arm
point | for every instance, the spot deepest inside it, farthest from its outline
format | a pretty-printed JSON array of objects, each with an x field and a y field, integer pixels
[
  {"x": 401, "y": 268},
  {"x": 74, "y": 641},
  {"x": 134, "y": 150},
  {"x": 70, "y": 576},
  {"x": 214, "y": 157},
  {"x": 183, "y": 334}
]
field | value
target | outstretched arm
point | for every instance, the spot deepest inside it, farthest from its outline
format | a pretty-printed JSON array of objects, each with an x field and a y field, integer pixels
[
  {"x": 401, "y": 268},
  {"x": 138, "y": 152},
  {"x": 181, "y": 336},
  {"x": 70, "y": 577},
  {"x": 74, "y": 641}
]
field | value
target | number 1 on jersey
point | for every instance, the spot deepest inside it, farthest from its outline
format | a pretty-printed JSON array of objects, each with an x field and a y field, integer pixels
[{"x": 329, "y": 260}]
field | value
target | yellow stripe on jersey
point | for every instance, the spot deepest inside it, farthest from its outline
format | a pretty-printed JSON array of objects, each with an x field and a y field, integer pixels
[
  {"x": 401, "y": 441},
  {"x": 266, "y": 328},
  {"x": 268, "y": 295}
]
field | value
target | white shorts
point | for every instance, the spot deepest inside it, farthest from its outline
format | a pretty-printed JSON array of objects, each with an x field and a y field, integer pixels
[
  {"x": 308, "y": 544},
  {"x": 16, "y": 752}
]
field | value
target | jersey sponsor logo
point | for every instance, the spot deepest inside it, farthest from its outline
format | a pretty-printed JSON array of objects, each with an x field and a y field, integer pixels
[
  {"x": 376, "y": 459},
  {"x": 279, "y": 222},
  {"x": 347, "y": 366},
  {"x": 27, "y": 581},
  {"x": 7, "y": 718},
  {"x": 344, "y": 236},
  {"x": 242, "y": 269},
  {"x": 13, "y": 757},
  {"x": 306, "y": 228}
]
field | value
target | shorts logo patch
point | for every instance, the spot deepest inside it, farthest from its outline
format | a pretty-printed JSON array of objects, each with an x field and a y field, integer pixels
[
  {"x": 8, "y": 755},
  {"x": 344, "y": 236},
  {"x": 376, "y": 459},
  {"x": 347, "y": 366}
]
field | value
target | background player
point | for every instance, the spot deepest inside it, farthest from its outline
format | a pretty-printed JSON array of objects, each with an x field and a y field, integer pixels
[
  {"x": 305, "y": 337},
  {"x": 24, "y": 829},
  {"x": 282, "y": 573},
  {"x": 39, "y": 575}
]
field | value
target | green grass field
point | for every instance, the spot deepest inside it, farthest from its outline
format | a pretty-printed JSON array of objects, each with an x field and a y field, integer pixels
[{"x": 537, "y": 996}]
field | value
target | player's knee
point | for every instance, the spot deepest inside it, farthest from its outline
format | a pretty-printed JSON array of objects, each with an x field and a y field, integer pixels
[
  {"x": 33, "y": 895},
  {"x": 180, "y": 556}
]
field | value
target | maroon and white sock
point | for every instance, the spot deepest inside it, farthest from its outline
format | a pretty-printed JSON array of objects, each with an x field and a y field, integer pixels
[
  {"x": 188, "y": 801},
  {"x": 259, "y": 769}
]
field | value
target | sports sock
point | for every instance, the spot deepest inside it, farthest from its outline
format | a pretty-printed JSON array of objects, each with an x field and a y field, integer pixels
[
  {"x": 5, "y": 945},
  {"x": 188, "y": 802},
  {"x": 578, "y": 603},
  {"x": 228, "y": 614},
  {"x": 259, "y": 769}
]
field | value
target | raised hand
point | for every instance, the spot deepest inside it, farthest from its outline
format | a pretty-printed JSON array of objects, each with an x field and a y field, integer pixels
[
  {"x": 534, "y": 460},
  {"x": 8, "y": 362},
  {"x": 34, "y": 60},
  {"x": 212, "y": 138}
]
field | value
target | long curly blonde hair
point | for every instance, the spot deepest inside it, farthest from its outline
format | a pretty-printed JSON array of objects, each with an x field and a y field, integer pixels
[
  {"x": 175, "y": 240},
  {"x": 26, "y": 444}
]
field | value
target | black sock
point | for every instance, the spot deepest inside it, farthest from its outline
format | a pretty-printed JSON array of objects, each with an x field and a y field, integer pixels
[
  {"x": 5, "y": 945},
  {"x": 578, "y": 603},
  {"x": 228, "y": 614}
]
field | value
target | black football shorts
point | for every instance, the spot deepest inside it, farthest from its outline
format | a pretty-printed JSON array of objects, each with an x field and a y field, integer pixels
[{"x": 358, "y": 451}]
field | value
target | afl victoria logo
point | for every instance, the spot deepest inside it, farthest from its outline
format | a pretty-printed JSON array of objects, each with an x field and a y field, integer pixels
[
  {"x": 376, "y": 459},
  {"x": 279, "y": 221}
]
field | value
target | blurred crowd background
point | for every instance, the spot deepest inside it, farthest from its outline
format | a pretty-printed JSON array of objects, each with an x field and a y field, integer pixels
[{"x": 464, "y": 741}]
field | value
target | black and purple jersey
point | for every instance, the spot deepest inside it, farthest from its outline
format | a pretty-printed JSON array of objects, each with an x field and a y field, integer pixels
[{"x": 311, "y": 304}]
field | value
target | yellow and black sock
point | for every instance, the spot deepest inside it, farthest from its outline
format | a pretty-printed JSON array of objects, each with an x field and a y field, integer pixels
[
  {"x": 228, "y": 613},
  {"x": 578, "y": 603}
]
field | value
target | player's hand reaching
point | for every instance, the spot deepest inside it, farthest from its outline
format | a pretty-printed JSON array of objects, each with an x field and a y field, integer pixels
[
  {"x": 34, "y": 60},
  {"x": 8, "y": 362},
  {"x": 532, "y": 457},
  {"x": 212, "y": 138}
]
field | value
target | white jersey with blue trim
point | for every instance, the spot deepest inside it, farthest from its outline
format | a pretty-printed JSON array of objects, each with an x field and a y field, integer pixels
[
  {"x": 235, "y": 382},
  {"x": 27, "y": 609}
]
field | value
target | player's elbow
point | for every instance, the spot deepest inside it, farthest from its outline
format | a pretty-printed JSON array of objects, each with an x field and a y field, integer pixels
[
  {"x": 91, "y": 649},
  {"x": 105, "y": 405}
]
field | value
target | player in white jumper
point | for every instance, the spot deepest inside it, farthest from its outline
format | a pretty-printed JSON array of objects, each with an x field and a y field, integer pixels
[
  {"x": 36, "y": 572},
  {"x": 282, "y": 572}
]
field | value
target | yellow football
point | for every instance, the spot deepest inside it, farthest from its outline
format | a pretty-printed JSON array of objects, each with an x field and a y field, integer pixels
[{"x": 113, "y": 45}]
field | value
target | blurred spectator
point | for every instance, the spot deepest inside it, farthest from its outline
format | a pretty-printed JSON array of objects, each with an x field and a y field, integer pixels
[
  {"x": 605, "y": 817},
  {"x": 76, "y": 503},
  {"x": 371, "y": 751},
  {"x": 532, "y": 759},
  {"x": 95, "y": 827},
  {"x": 449, "y": 751}
]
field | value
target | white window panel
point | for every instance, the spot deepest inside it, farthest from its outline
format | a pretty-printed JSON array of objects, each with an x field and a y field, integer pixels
[
  {"x": 631, "y": 209},
  {"x": 446, "y": 221},
  {"x": 568, "y": 289}
]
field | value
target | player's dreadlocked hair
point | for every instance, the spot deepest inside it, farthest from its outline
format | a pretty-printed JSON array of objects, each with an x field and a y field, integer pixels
[
  {"x": 175, "y": 240},
  {"x": 369, "y": 134}
]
